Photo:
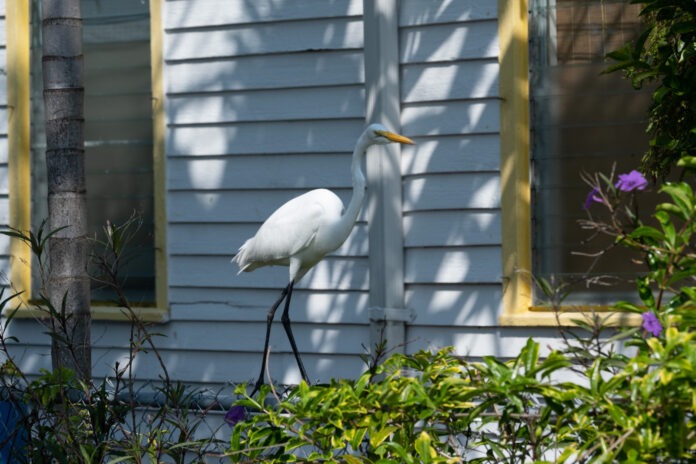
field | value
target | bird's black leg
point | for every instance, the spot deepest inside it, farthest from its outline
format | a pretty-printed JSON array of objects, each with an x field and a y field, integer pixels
[
  {"x": 285, "y": 318},
  {"x": 269, "y": 321}
]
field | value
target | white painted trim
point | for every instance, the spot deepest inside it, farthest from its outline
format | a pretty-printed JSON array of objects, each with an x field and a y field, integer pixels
[{"x": 384, "y": 210}]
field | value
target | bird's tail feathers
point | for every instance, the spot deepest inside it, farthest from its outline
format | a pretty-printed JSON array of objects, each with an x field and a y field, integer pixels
[{"x": 241, "y": 257}]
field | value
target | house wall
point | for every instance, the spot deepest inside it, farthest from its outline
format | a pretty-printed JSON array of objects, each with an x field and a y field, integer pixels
[
  {"x": 265, "y": 100},
  {"x": 451, "y": 196},
  {"x": 257, "y": 114}
]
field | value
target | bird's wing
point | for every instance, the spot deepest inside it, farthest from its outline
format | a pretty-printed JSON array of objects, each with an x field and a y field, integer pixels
[
  {"x": 293, "y": 226},
  {"x": 288, "y": 231}
]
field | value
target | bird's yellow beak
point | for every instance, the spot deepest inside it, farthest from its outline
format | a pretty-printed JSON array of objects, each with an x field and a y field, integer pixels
[{"x": 396, "y": 137}]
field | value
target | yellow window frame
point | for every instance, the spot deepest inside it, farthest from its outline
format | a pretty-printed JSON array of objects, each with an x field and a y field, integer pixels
[
  {"x": 17, "y": 17},
  {"x": 518, "y": 306}
]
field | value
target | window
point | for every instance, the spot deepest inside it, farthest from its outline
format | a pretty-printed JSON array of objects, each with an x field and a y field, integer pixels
[
  {"x": 581, "y": 122},
  {"x": 123, "y": 109},
  {"x": 118, "y": 132}
]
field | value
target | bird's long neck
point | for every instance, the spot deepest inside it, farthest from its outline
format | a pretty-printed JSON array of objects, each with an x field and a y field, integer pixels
[{"x": 351, "y": 213}]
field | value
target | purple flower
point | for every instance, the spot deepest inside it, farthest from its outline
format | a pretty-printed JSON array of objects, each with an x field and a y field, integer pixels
[
  {"x": 631, "y": 181},
  {"x": 235, "y": 415},
  {"x": 592, "y": 197},
  {"x": 651, "y": 324}
]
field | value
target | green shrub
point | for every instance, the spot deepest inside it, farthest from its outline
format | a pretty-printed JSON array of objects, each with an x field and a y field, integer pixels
[
  {"x": 63, "y": 419},
  {"x": 665, "y": 57},
  {"x": 399, "y": 416},
  {"x": 435, "y": 407}
]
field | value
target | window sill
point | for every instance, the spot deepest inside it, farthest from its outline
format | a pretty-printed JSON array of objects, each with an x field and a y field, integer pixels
[
  {"x": 538, "y": 316},
  {"x": 105, "y": 313}
]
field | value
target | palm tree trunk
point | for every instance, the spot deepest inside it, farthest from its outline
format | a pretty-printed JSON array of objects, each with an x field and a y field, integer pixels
[{"x": 68, "y": 286}]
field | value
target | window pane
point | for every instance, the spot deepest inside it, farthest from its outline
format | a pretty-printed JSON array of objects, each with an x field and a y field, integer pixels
[
  {"x": 118, "y": 132},
  {"x": 582, "y": 122}
]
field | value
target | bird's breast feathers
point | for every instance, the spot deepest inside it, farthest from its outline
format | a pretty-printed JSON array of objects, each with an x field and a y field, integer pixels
[{"x": 297, "y": 227}]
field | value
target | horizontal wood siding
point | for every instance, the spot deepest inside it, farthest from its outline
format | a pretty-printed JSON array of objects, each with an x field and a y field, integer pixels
[
  {"x": 189, "y": 14},
  {"x": 451, "y": 187},
  {"x": 264, "y": 100}
]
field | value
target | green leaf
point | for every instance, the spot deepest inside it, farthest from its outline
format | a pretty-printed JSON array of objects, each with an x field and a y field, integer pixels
[
  {"x": 645, "y": 292},
  {"x": 687, "y": 162},
  {"x": 682, "y": 275},
  {"x": 121, "y": 459},
  {"x": 675, "y": 431},
  {"x": 683, "y": 27},
  {"x": 350, "y": 459},
  {"x": 378, "y": 437},
  {"x": 355, "y": 436},
  {"x": 629, "y": 307},
  {"x": 682, "y": 196},
  {"x": 531, "y": 355},
  {"x": 672, "y": 209},
  {"x": 667, "y": 228},
  {"x": 423, "y": 448},
  {"x": 646, "y": 232},
  {"x": 362, "y": 382}
]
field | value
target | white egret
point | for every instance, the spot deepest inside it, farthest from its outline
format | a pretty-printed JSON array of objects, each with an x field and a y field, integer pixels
[{"x": 303, "y": 230}]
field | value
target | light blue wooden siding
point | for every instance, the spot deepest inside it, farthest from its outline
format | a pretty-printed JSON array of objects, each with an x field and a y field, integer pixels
[
  {"x": 4, "y": 178},
  {"x": 451, "y": 197},
  {"x": 264, "y": 100}
]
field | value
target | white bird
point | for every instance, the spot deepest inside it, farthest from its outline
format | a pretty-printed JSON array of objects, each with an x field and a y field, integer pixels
[{"x": 303, "y": 230}]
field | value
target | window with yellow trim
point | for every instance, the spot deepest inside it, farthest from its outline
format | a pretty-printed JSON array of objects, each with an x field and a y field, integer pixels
[
  {"x": 582, "y": 122},
  {"x": 118, "y": 136}
]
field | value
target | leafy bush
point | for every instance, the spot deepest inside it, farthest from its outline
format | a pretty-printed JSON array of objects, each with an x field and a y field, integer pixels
[
  {"x": 665, "y": 56},
  {"x": 434, "y": 407},
  {"x": 584, "y": 403},
  {"x": 63, "y": 419},
  {"x": 400, "y": 416}
]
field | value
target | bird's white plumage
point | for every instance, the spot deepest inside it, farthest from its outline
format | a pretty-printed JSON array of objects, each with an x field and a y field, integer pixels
[{"x": 303, "y": 230}]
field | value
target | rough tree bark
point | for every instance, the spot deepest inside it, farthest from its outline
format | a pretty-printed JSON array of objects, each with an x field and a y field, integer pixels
[{"x": 68, "y": 286}]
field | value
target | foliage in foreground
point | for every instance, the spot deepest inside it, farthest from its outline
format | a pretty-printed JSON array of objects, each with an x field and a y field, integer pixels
[
  {"x": 56, "y": 417},
  {"x": 433, "y": 407},
  {"x": 585, "y": 403},
  {"x": 664, "y": 56}
]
